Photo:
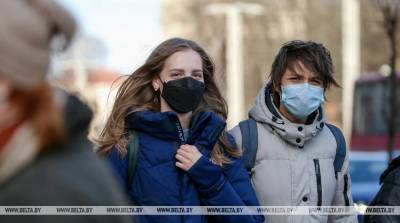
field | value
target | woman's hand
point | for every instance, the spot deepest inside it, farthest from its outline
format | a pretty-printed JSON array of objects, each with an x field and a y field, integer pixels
[{"x": 187, "y": 156}]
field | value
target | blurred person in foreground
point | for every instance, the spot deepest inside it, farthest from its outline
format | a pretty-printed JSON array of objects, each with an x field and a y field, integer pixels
[
  {"x": 45, "y": 157},
  {"x": 388, "y": 195}
]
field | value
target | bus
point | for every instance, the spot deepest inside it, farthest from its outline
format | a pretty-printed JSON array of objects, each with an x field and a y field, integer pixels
[{"x": 371, "y": 113}]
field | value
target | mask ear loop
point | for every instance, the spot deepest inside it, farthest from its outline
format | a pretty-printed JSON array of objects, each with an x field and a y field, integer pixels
[
  {"x": 157, "y": 95},
  {"x": 158, "y": 88}
]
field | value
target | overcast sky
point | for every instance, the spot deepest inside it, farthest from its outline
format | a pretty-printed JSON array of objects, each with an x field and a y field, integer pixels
[{"x": 129, "y": 29}]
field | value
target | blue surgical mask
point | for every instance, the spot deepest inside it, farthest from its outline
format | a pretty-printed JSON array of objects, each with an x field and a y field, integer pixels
[{"x": 300, "y": 100}]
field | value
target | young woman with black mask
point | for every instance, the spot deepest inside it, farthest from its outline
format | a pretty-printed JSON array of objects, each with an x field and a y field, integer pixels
[{"x": 173, "y": 109}]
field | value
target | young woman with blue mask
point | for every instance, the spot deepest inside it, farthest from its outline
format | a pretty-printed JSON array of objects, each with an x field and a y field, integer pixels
[
  {"x": 299, "y": 160},
  {"x": 185, "y": 157}
]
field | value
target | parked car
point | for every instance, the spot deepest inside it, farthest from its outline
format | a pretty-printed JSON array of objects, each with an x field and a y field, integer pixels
[{"x": 365, "y": 170}]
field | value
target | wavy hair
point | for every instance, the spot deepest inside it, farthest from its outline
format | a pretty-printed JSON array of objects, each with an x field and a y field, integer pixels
[{"x": 137, "y": 94}]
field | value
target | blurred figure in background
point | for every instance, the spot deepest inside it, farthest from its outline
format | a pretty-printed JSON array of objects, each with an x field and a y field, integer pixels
[
  {"x": 45, "y": 157},
  {"x": 388, "y": 195}
]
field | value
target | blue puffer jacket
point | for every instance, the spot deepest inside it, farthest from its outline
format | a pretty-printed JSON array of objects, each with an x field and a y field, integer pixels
[{"x": 158, "y": 182}]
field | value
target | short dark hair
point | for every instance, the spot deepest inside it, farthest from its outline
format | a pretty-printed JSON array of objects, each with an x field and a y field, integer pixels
[{"x": 314, "y": 56}]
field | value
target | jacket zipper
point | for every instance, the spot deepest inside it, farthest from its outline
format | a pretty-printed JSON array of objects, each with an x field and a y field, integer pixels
[
  {"x": 319, "y": 186},
  {"x": 346, "y": 198},
  {"x": 180, "y": 172}
]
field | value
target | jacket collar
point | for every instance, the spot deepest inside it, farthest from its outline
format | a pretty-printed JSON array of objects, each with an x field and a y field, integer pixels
[
  {"x": 205, "y": 127},
  {"x": 265, "y": 111},
  {"x": 23, "y": 147},
  {"x": 19, "y": 152},
  {"x": 77, "y": 115}
]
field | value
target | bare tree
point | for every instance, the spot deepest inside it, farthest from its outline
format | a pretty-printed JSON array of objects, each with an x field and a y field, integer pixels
[{"x": 390, "y": 13}]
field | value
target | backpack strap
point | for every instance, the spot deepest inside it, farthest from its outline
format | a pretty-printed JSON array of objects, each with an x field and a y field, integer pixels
[
  {"x": 133, "y": 153},
  {"x": 340, "y": 149},
  {"x": 248, "y": 129}
]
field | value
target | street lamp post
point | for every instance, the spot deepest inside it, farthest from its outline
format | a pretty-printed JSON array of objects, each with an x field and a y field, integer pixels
[
  {"x": 351, "y": 59},
  {"x": 234, "y": 54}
]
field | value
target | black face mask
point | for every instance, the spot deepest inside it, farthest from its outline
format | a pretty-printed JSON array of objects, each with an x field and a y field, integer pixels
[{"x": 183, "y": 95}]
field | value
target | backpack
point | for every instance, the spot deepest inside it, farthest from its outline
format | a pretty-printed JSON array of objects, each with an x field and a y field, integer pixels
[
  {"x": 248, "y": 129},
  {"x": 133, "y": 154}
]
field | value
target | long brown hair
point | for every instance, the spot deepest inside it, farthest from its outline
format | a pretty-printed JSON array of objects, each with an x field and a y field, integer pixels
[
  {"x": 137, "y": 94},
  {"x": 38, "y": 106}
]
